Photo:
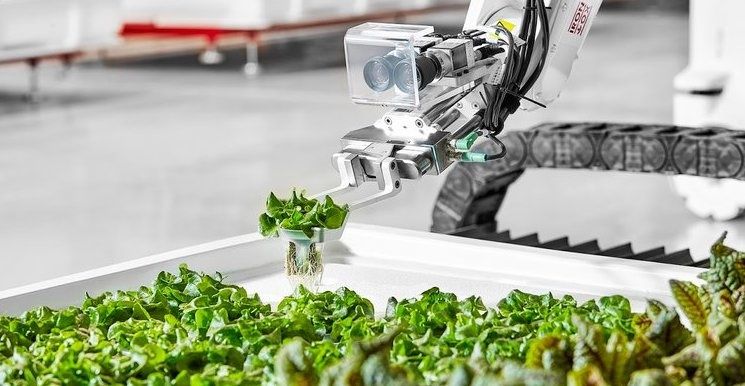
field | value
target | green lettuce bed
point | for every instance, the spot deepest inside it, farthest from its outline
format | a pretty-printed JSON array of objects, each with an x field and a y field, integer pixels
[{"x": 194, "y": 329}]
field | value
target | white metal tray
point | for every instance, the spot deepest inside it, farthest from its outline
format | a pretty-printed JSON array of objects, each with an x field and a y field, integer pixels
[{"x": 379, "y": 262}]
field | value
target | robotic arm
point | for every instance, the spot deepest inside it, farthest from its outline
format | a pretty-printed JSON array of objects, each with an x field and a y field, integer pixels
[{"x": 448, "y": 91}]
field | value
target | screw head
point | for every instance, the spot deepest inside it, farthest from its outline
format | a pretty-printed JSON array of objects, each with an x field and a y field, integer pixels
[
  {"x": 419, "y": 123},
  {"x": 388, "y": 121}
]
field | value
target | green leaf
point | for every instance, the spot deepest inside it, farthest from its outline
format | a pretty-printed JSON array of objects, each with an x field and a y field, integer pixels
[
  {"x": 292, "y": 366},
  {"x": 731, "y": 358},
  {"x": 617, "y": 360},
  {"x": 268, "y": 226},
  {"x": 708, "y": 346},
  {"x": 665, "y": 329},
  {"x": 275, "y": 207},
  {"x": 687, "y": 358},
  {"x": 367, "y": 363},
  {"x": 644, "y": 354},
  {"x": 514, "y": 374},
  {"x": 462, "y": 376},
  {"x": 589, "y": 350},
  {"x": 650, "y": 377},
  {"x": 722, "y": 307},
  {"x": 727, "y": 268},
  {"x": 549, "y": 353},
  {"x": 335, "y": 217},
  {"x": 300, "y": 213},
  {"x": 689, "y": 298},
  {"x": 586, "y": 376}
]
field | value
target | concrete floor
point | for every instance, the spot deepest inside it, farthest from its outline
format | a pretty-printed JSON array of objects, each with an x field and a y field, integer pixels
[{"x": 118, "y": 162}]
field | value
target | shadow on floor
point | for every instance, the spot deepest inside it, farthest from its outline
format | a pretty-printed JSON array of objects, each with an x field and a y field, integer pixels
[
  {"x": 18, "y": 102},
  {"x": 275, "y": 57}
]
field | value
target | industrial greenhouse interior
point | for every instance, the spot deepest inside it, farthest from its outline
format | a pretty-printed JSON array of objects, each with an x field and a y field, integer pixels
[{"x": 585, "y": 148}]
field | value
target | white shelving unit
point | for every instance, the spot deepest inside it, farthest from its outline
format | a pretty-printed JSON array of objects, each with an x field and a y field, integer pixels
[
  {"x": 257, "y": 19},
  {"x": 241, "y": 14},
  {"x": 39, "y": 28},
  {"x": 34, "y": 30}
]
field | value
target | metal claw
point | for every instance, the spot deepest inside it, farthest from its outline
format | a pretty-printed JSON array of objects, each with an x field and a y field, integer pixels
[
  {"x": 351, "y": 174},
  {"x": 347, "y": 174},
  {"x": 391, "y": 184}
]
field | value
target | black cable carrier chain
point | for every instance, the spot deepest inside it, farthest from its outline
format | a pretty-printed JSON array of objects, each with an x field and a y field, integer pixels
[
  {"x": 708, "y": 152},
  {"x": 472, "y": 193}
]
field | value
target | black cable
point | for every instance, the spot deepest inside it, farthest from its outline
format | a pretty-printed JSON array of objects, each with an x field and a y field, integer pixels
[
  {"x": 527, "y": 35},
  {"x": 496, "y": 97},
  {"x": 502, "y": 151},
  {"x": 543, "y": 17},
  {"x": 510, "y": 81},
  {"x": 478, "y": 41},
  {"x": 517, "y": 88},
  {"x": 542, "y": 20},
  {"x": 488, "y": 50},
  {"x": 520, "y": 70}
]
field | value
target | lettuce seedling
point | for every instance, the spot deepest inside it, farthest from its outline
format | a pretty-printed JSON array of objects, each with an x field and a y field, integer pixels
[
  {"x": 300, "y": 213},
  {"x": 303, "y": 265}
]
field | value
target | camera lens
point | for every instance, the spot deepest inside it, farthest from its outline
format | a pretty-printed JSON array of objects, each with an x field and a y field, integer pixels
[
  {"x": 404, "y": 75},
  {"x": 377, "y": 74},
  {"x": 378, "y": 71}
]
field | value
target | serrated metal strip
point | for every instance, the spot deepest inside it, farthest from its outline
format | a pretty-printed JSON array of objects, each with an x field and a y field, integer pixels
[{"x": 592, "y": 247}]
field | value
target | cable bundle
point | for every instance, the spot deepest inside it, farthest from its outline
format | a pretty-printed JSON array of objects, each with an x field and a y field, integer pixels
[{"x": 518, "y": 78}]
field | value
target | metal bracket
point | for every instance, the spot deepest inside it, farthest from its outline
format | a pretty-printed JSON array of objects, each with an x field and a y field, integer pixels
[
  {"x": 391, "y": 184},
  {"x": 350, "y": 171},
  {"x": 347, "y": 173}
]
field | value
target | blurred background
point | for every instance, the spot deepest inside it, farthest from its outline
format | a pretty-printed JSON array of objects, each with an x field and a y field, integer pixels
[{"x": 133, "y": 127}]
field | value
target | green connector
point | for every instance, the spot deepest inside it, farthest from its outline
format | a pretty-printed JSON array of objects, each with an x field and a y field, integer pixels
[
  {"x": 472, "y": 157},
  {"x": 466, "y": 142}
]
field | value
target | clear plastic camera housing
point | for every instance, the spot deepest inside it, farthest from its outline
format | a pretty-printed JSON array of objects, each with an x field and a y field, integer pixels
[{"x": 373, "y": 52}]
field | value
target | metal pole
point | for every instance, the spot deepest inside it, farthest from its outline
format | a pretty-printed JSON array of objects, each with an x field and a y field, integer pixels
[
  {"x": 252, "y": 66},
  {"x": 33, "y": 81}
]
